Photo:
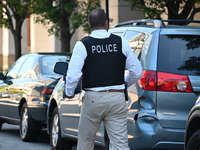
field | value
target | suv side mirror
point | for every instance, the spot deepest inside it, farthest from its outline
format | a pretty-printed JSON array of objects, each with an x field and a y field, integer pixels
[{"x": 61, "y": 68}]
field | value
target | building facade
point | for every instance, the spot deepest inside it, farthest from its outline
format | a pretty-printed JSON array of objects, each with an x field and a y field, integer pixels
[{"x": 35, "y": 37}]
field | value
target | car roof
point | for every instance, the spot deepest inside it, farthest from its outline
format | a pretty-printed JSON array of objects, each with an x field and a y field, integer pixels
[
  {"x": 150, "y": 25},
  {"x": 154, "y": 23}
]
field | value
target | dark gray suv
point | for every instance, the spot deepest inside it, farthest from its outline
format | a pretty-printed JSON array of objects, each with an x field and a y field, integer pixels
[{"x": 159, "y": 103}]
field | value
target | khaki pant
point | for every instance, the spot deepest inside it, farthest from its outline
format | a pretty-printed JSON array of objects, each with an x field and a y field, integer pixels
[{"x": 109, "y": 107}]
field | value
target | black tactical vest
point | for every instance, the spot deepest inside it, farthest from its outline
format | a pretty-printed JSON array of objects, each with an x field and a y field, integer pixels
[{"x": 105, "y": 62}]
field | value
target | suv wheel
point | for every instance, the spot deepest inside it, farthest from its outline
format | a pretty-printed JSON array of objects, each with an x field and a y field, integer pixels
[
  {"x": 29, "y": 131},
  {"x": 194, "y": 142},
  {"x": 56, "y": 141}
]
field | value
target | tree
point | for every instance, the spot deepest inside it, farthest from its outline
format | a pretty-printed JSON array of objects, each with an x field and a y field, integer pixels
[
  {"x": 12, "y": 15},
  {"x": 63, "y": 17},
  {"x": 175, "y": 9}
]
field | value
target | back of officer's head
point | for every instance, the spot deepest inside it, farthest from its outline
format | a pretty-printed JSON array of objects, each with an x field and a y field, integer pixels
[{"x": 97, "y": 18}]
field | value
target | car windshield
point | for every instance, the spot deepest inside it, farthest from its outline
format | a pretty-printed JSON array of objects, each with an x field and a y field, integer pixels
[
  {"x": 48, "y": 62},
  {"x": 179, "y": 54}
]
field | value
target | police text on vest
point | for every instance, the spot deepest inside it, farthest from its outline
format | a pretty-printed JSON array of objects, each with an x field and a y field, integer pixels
[{"x": 104, "y": 48}]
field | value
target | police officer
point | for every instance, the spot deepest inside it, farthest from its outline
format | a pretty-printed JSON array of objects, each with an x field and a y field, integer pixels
[{"x": 100, "y": 59}]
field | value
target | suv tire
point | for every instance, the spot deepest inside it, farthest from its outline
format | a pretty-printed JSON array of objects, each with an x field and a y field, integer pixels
[
  {"x": 56, "y": 140},
  {"x": 194, "y": 142},
  {"x": 29, "y": 131}
]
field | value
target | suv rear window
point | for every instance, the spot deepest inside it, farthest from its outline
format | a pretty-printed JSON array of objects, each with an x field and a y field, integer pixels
[{"x": 179, "y": 54}]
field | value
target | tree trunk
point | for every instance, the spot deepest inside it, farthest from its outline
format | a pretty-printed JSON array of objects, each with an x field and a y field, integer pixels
[
  {"x": 65, "y": 31},
  {"x": 16, "y": 31},
  {"x": 18, "y": 51},
  {"x": 173, "y": 10},
  {"x": 65, "y": 40},
  {"x": 17, "y": 38}
]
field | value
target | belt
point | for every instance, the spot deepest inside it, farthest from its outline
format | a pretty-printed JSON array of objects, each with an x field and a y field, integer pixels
[{"x": 107, "y": 91}]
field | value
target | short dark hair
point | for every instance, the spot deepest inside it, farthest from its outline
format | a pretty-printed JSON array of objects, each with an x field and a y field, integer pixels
[{"x": 97, "y": 18}]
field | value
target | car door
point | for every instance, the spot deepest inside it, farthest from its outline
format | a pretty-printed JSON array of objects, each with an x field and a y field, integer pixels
[
  {"x": 69, "y": 111},
  {"x": 11, "y": 79},
  {"x": 17, "y": 90},
  {"x": 70, "y": 114},
  {"x": 3, "y": 99}
]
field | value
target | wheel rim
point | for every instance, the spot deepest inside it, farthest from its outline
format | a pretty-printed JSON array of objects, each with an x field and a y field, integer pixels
[
  {"x": 55, "y": 130},
  {"x": 24, "y": 124}
]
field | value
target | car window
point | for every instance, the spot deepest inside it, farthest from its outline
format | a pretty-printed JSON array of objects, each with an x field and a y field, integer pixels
[
  {"x": 48, "y": 62},
  {"x": 136, "y": 41},
  {"x": 13, "y": 71},
  {"x": 179, "y": 54},
  {"x": 26, "y": 70}
]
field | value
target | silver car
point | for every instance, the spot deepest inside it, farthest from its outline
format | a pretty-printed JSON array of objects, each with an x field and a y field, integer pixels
[{"x": 159, "y": 103}]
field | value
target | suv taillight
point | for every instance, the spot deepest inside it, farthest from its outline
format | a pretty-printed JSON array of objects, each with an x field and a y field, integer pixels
[
  {"x": 148, "y": 80},
  {"x": 160, "y": 81}
]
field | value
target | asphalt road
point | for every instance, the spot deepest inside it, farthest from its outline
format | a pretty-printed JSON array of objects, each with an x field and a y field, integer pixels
[{"x": 10, "y": 140}]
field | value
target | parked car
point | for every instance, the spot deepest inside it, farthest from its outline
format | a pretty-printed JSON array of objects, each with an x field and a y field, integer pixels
[
  {"x": 159, "y": 103},
  {"x": 192, "y": 131},
  {"x": 25, "y": 91}
]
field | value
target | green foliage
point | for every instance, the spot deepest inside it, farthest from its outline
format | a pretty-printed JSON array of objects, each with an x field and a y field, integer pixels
[
  {"x": 87, "y": 8},
  {"x": 174, "y": 9},
  {"x": 60, "y": 17},
  {"x": 152, "y": 8},
  {"x": 17, "y": 9},
  {"x": 12, "y": 15},
  {"x": 53, "y": 13}
]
